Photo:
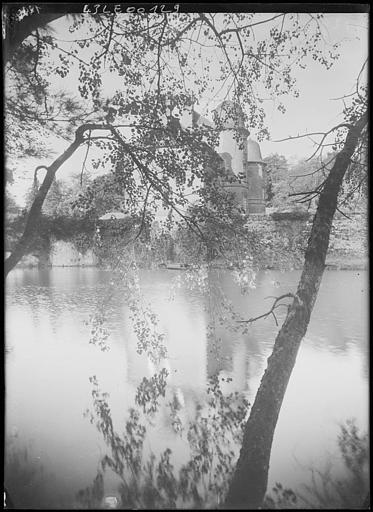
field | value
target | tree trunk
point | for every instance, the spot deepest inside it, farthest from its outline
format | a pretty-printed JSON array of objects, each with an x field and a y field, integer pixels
[
  {"x": 15, "y": 33},
  {"x": 35, "y": 210},
  {"x": 249, "y": 483}
]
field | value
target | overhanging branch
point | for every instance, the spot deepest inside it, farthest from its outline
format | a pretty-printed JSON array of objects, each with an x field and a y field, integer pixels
[{"x": 271, "y": 311}]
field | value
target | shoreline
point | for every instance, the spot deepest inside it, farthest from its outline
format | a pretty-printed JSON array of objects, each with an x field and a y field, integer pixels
[{"x": 333, "y": 263}]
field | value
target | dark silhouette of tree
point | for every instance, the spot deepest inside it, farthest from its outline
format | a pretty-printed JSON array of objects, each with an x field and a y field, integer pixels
[{"x": 249, "y": 482}]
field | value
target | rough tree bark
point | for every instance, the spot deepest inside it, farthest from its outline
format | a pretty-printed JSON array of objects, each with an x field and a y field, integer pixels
[{"x": 249, "y": 483}]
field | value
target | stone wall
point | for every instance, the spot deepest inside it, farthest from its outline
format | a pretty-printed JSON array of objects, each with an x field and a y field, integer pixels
[
  {"x": 281, "y": 244},
  {"x": 349, "y": 240},
  {"x": 61, "y": 254},
  {"x": 285, "y": 240},
  {"x": 65, "y": 254}
]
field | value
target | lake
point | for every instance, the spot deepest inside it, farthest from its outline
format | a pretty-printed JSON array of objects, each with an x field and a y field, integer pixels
[{"x": 49, "y": 362}]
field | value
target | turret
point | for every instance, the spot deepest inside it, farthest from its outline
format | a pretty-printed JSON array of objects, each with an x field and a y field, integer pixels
[
  {"x": 229, "y": 117},
  {"x": 255, "y": 177}
]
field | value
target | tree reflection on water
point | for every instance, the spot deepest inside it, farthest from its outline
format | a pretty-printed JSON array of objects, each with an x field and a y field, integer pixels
[
  {"x": 213, "y": 436},
  {"x": 153, "y": 481},
  {"x": 206, "y": 424},
  {"x": 28, "y": 483}
]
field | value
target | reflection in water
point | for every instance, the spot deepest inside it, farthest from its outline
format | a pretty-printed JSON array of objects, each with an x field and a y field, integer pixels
[{"x": 50, "y": 362}]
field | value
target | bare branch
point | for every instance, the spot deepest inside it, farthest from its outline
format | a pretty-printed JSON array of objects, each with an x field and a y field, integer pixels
[
  {"x": 107, "y": 45},
  {"x": 250, "y": 25},
  {"x": 343, "y": 97},
  {"x": 321, "y": 168},
  {"x": 359, "y": 75},
  {"x": 342, "y": 213},
  {"x": 319, "y": 144},
  {"x": 85, "y": 158},
  {"x": 292, "y": 137},
  {"x": 159, "y": 49},
  {"x": 221, "y": 42},
  {"x": 275, "y": 305}
]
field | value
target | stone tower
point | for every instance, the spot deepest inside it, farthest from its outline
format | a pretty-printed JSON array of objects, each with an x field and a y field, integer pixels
[
  {"x": 242, "y": 157},
  {"x": 255, "y": 178}
]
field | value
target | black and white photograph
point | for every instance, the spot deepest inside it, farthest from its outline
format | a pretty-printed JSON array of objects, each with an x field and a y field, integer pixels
[{"x": 186, "y": 256}]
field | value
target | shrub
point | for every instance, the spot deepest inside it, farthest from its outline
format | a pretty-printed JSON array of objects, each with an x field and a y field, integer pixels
[{"x": 291, "y": 215}]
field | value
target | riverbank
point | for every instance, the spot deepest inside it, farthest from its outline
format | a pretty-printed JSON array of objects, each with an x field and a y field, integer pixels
[
  {"x": 278, "y": 242},
  {"x": 354, "y": 264},
  {"x": 333, "y": 262}
]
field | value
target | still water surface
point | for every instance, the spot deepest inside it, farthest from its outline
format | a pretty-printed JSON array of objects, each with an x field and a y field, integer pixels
[{"x": 49, "y": 361}]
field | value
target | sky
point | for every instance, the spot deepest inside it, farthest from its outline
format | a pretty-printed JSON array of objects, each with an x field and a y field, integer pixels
[{"x": 315, "y": 110}]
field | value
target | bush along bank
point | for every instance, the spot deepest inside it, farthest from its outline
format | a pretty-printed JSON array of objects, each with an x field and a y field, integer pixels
[
  {"x": 284, "y": 237},
  {"x": 279, "y": 242},
  {"x": 59, "y": 241}
]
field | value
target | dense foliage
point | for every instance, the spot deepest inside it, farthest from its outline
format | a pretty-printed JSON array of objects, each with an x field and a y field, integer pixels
[{"x": 157, "y": 68}]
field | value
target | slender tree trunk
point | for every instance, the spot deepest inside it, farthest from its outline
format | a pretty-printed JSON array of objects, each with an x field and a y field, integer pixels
[
  {"x": 249, "y": 483},
  {"x": 35, "y": 210}
]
